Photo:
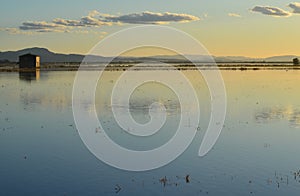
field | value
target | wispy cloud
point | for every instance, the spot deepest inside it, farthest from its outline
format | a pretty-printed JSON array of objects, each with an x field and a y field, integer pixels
[
  {"x": 234, "y": 15},
  {"x": 42, "y": 26},
  {"x": 64, "y": 25},
  {"x": 271, "y": 11},
  {"x": 295, "y": 6},
  {"x": 93, "y": 19}
]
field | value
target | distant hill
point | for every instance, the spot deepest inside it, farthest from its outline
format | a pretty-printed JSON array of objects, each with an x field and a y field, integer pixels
[
  {"x": 51, "y": 57},
  {"x": 45, "y": 54},
  {"x": 282, "y": 58}
]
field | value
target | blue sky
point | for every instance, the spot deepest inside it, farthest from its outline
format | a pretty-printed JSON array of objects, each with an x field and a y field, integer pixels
[{"x": 226, "y": 27}]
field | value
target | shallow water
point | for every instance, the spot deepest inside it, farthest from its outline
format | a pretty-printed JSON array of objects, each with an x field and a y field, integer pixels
[{"x": 256, "y": 154}]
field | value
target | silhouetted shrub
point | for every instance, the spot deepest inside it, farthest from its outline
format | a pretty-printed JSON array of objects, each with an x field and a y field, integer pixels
[{"x": 296, "y": 61}]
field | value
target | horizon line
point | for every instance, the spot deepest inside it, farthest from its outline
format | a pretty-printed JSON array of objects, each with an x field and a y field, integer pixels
[{"x": 145, "y": 56}]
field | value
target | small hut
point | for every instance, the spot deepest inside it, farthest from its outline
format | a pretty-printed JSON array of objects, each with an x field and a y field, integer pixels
[{"x": 29, "y": 61}]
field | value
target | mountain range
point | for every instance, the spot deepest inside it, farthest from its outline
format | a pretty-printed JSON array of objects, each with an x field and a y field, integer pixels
[{"x": 51, "y": 57}]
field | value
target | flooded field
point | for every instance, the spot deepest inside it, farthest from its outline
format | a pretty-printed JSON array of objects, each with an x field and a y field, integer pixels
[{"x": 257, "y": 152}]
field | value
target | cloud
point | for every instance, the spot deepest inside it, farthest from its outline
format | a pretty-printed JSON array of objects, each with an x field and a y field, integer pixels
[
  {"x": 296, "y": 7},
  {"x": 91, "y": 21},
  {"x": 94, "y": 13},
  {"x": 66, "y": 22},
  {"x": 42, "y": 26},
  {"x": 151, "y": 18},
  {"x": 94, "y": 19},
  {"x": 234, "y": 15},
  {"x": 61, "y": 25},
  {"x": 271, "y": 11}
]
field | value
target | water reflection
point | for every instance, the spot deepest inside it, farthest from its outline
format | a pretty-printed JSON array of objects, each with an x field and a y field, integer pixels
[
  {"x": 33, "y": 95},
  {"x": 290, "y": 113},
  {"x": 29, "y": 75}
]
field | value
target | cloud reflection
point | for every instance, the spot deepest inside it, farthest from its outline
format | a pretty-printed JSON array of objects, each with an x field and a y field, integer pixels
[{"x": 268, "y": 115}]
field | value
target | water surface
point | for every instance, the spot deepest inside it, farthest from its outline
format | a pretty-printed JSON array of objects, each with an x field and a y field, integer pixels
[{"x": 257, "y": 153}]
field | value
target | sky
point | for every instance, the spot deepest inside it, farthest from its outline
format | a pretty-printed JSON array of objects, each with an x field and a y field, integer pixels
[{"x": 252, "y": 28}]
